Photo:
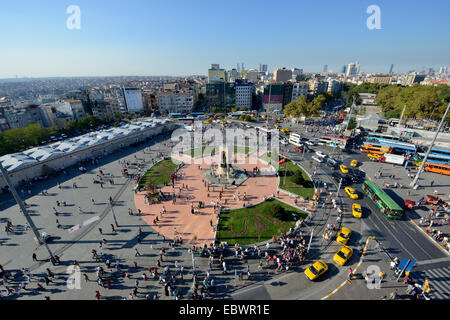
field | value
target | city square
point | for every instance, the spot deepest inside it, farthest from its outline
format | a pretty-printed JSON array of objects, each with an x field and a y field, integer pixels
[{"x": 219, "y": 164}]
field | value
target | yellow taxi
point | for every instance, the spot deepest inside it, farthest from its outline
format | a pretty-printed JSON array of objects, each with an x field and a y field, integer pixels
[
  {"x": 343, "y": 168},
  {"x": 341, "y": 257},
  {"x": 207, "y": 121},
  {"x": 356, "y": 210},
  {"x": 279, "y": 119},
  {"x": 351, "y": 192},
  {"x": 344, "y": 235},
  {"x": 276, "y": 125},
  {"x": 315, "y": 270},
  {"x": 354, "y": 163},
  {"x": 373, "y": 155}
]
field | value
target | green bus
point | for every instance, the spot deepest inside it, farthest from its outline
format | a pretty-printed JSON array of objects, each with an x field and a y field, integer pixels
[{"x": 387, "y": 206}]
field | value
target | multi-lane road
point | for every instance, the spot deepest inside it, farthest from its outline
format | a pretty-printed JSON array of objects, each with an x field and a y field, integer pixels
[{"x": 400, "y": 238}]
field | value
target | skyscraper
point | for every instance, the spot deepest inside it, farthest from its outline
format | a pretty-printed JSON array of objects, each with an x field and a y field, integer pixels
[
  {"x": 352, "y": 69},
  {"x": 325, "y": 68},
  {"x": 391, "y": 69},
  {"x": 344, "y": 69},
  {"x": 262, "y": 67}
]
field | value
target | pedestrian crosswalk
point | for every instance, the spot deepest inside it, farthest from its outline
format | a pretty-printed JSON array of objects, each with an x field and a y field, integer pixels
[{"x": 439, "y": 279}]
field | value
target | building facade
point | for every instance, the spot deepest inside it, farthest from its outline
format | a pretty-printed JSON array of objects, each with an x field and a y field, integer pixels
[
  {"x": 273, "y": 96},
  {"x": 175, "y": 102},
  {"x": 133, "y": 100},
  {"x": 216, "y": 74},
  {"x": 282, "y": 75},
  {"x": 244, "y": 91},
  {"x": 299, "y": 89}
]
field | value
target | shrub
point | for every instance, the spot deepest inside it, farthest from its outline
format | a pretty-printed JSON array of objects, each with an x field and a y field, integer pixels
[{"x": 277, "y": 211}]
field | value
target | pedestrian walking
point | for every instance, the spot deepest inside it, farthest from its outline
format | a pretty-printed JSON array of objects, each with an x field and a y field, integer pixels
[
  {"x": 100, "y": 230},
  {"x": 34, "y": 256},
  {"x": 112, "y": 228},
  {"x": 137, "y": 253},
  {"x": 350, "y": 274}
]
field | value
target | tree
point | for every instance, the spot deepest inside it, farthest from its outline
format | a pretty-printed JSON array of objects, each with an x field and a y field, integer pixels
[
  {"x": 118, "y": 116},
  {"x": 352, "y": 123},
  {"x": 70, "y": 126}
]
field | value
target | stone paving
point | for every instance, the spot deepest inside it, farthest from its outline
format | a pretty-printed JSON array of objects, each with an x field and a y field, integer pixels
[{"x": 188, "y": 225}]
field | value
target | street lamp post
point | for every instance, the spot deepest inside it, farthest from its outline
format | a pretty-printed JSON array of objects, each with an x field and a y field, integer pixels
[
  {"x": 414, "y": 182},
  {"x": 25, "y": 213}
]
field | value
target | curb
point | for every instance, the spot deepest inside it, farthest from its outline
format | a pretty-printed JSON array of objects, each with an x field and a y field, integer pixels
[
  {"x": 434, "y": 241},
  {"x": 356, "y": 268}
]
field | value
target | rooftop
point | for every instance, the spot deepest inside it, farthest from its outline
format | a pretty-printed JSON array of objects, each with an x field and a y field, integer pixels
[{"x": 20, "y": 160}]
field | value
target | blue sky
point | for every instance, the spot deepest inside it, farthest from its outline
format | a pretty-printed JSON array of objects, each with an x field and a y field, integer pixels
[{"x": 182, "y": 37}]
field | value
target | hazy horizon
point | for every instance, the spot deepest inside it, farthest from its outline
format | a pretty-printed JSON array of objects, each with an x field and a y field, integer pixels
[{"x": 179, "y": 38}]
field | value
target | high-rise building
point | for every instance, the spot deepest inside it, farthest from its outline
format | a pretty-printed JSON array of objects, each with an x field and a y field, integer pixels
[
  {"x": 414, "y": 78},
  {"x": 391, "y": 69},
  {"x": 344, "y": 69},
  {"x": 352, "y": 69},
  {"x": 273, "y": 96},
  {"x": 216, "y": 74},
  {"x": 325, "y": 68},
  {"x": 242, "y": 68},
  {"x": 244, "y": 91},
  {"x": 282, "y": 75},
  {"x": 262, "y": 67},
  {"x": 443, "y": 70},
  {"x": 220, "y": 94},
  {"x": 133, "y": 99}
]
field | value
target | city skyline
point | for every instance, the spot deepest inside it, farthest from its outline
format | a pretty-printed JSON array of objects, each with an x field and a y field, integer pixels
[{"x": 180, "y": 39}]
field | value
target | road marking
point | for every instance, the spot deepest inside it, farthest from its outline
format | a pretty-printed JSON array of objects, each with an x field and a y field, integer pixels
[{"x": 346, "y": 281}]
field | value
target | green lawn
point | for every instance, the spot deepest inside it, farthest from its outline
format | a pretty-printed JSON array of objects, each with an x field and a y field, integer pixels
[
  {"x": 260, "y": 225},
  {"x": 288, "y": 183},
  {"x": 210, "y": 150},
  {"x": 160, "y": 172}
]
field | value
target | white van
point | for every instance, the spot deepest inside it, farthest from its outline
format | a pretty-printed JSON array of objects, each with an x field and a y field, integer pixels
[
  {"x": 321, "y": 154},
  {"x": 320, "y": 160}
]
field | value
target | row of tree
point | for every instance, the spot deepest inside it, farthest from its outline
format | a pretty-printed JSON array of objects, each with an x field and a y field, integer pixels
[
  {"x": 20, "y": 139},
  {"x": 302, "y": 106},
  {"x": 420, "y": 101}
]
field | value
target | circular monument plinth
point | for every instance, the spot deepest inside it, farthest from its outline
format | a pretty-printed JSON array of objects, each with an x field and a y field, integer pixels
[{"x": 225, "y": 177}]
